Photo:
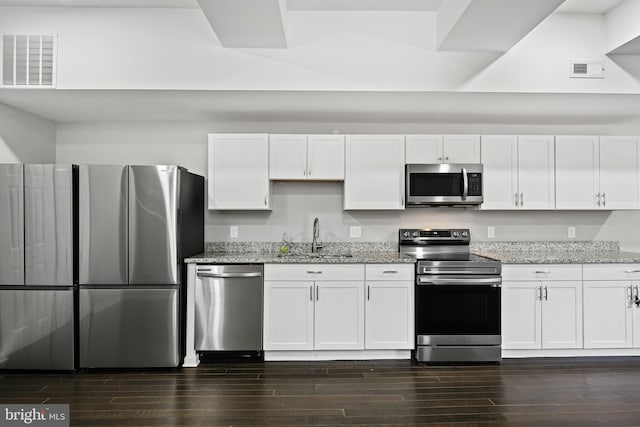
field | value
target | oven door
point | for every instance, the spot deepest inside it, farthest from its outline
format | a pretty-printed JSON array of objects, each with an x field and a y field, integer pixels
[
  {"x": 461, "y": 310},
  {"x": 444, "y": 184}
]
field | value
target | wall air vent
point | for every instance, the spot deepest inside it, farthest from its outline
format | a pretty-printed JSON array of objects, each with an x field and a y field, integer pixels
[
  {"x": 586, "y": 69},
  {"x": 29, "y": 60}
]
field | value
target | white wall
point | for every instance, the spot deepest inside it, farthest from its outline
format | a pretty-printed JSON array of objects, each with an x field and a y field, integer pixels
[
  {"x": 155, "y": 48},
  {"x": 296, "y": 204},
  {"x": 25, "y": 138}
]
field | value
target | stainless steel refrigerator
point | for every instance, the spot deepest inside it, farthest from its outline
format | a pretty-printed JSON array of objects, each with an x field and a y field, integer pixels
[
  {"x": 136, "y": 225},
  {"x": 37, "y": 266}
]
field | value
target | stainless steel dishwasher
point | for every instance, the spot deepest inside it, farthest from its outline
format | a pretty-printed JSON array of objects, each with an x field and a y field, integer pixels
[{"x": 228, "y": 308}]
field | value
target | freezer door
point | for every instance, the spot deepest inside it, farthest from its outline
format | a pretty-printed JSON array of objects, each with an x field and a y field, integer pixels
[
  {"x": 36, "y": 329},
  {"x": 11, "y": 225},
  {"x": 129, "y": 328},
  {"x": 48, "y": 225},
  {"x": 103, "y": 201},
  {"x": 153, "y": 231}
]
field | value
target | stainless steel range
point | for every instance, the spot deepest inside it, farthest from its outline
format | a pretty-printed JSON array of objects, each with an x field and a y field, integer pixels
[{"x": 457, "y": 297}]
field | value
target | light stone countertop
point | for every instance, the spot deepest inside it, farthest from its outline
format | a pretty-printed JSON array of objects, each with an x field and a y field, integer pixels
[
  {"x": 296, "y": 258},
  {"x": 563, "y": 257}
]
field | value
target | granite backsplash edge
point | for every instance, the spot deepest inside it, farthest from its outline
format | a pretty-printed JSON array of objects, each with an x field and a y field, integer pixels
[{"x": 364, "y": 247}]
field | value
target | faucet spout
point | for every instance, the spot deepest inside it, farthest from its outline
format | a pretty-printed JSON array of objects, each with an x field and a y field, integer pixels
[{"x": 315, "y": 245}]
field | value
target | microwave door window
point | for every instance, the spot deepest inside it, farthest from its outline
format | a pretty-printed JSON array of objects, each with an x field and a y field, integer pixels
[{"x": 436, "y": 184}]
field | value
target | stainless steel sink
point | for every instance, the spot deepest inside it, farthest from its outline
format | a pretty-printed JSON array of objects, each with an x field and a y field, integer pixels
[{"x": 315, "y": 255}]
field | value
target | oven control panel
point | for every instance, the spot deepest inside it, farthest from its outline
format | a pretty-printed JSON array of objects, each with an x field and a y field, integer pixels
[{"x": 426, "y": 235}]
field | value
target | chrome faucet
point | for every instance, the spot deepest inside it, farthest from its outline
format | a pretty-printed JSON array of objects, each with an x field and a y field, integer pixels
[{"x": 315, "y": 245}]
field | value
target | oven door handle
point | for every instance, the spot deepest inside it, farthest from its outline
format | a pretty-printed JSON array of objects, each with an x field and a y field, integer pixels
[{"x": 494, "y": 282}]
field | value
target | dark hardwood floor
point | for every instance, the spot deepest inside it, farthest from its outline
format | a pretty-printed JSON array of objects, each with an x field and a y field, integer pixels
[{"x": 575, "y": 391}]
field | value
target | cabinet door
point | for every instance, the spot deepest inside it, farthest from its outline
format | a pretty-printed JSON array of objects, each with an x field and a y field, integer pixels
[
  {"x": 536, "y": 177},
  {"x": 424, "y": 149},
  {"x": 461, "y": 149},
  {"x": 577, "y": 172},
  {"x": 325, "y": 159},
  {"x": 389, "y": 315},
  {"x": 562, "y": 314},
  {"x": 288, "y": 315},
  {"x": 287, "y": 156},
  {"x": 500, "y": 175},
  {"x": 521, "y": 315},
  {"x": 607, "y": 314},
  {"x": 619, "y": 172},
  {"x": 374, "y": 172},
  {"x": 238, "y": 171},
  {"x": 636, "y": 315},
  {"x": 339, "y": 315}
]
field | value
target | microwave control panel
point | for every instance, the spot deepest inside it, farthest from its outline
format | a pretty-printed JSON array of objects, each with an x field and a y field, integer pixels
[{"x": 475, "y": 184}]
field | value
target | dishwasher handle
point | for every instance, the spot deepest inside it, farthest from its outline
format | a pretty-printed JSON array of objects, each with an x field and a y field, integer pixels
[{"x": 229, "y": 275}]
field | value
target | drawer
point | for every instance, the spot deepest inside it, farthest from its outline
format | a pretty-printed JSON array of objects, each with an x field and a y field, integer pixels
[
  {"x": 390, "y": 271},
  {"x": 611, "y": 271},
  {"x": 314, "y": 272},
  {"x": 537, "y": 272}
]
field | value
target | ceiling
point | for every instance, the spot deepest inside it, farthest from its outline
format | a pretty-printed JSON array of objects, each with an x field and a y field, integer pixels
[
  {"x": 569, "y": 6},
  {"x": 320, "y": 106}
]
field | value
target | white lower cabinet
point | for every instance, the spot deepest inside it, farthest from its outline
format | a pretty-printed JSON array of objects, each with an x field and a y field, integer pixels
[
  {"x": 611, "y": 316},
  {"x": 541, "y": 307},
  {"x": 389, "y": 313},
  {"x": 288, "y": 313},
  {"x": 313, "y": 307},
  {"x": 339, "y": 307}
]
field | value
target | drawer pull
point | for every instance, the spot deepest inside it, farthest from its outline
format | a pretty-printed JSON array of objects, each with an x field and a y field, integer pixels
[
  {"x": 390, "y": 272},
  {"x": 632, "y": 271},
  {"x": 313, "y": 272},
  {"x": 542, "y": 272}
]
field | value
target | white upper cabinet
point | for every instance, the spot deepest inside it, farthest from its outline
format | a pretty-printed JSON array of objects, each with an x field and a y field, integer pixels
[
  {"x": 288, "y": 156},
  {"x": 518, "y": 172},
  {"x": 619, "y": 187},
  {"x": 423, "y": 149},
  {"x": 238, "y": 171},
  {"x": 374, "y": 172},
  {"x": 325, "y": 157},
  {"x": 306, "y": 157},
  {"x": 597, "y": 172},
  {"x": 443, "y": 149}
]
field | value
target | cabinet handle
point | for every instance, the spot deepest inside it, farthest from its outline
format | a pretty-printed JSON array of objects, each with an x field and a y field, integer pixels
[
  {"x": 542, "y": 272},
  {"x": 314, "y": 272},
  {"x": 630, "y": 294},
  {"x": 546, "y": 294},
  {"x": 539, "y": 293},
  {"x": 632, "y": 271},
  {"x": 598, "y": 197},
  {"x": 309, "y": 169},
  {"x": 439, "y": 158},
  {"x": 304, "y": 168},
  {"x": 516, "y": 199},
  {"x": 521, "y": 199},
  {"x": 390, "y": 272},
  {"x": 402, "y": 201},
  {"x": 368, "y": 292},
  {"x": 317, "y": 293},
  {"x": 310, "y": 292},
  {"x": 446, "y": 158},
  {"x": 265, "y": 199},
  {"x": 604, "y": 199}
]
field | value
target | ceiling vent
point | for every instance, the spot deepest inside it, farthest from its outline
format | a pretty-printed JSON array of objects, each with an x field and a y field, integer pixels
[
  {"x": 586, "y": 69},
  {"x": 29, "y": 60}
]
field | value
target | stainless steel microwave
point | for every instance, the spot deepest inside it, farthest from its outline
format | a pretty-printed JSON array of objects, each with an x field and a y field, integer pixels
[{"x": 447, "y": 184}]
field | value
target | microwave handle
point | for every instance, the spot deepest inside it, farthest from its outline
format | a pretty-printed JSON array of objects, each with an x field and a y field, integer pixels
[{"x": 465, "y": 184}]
